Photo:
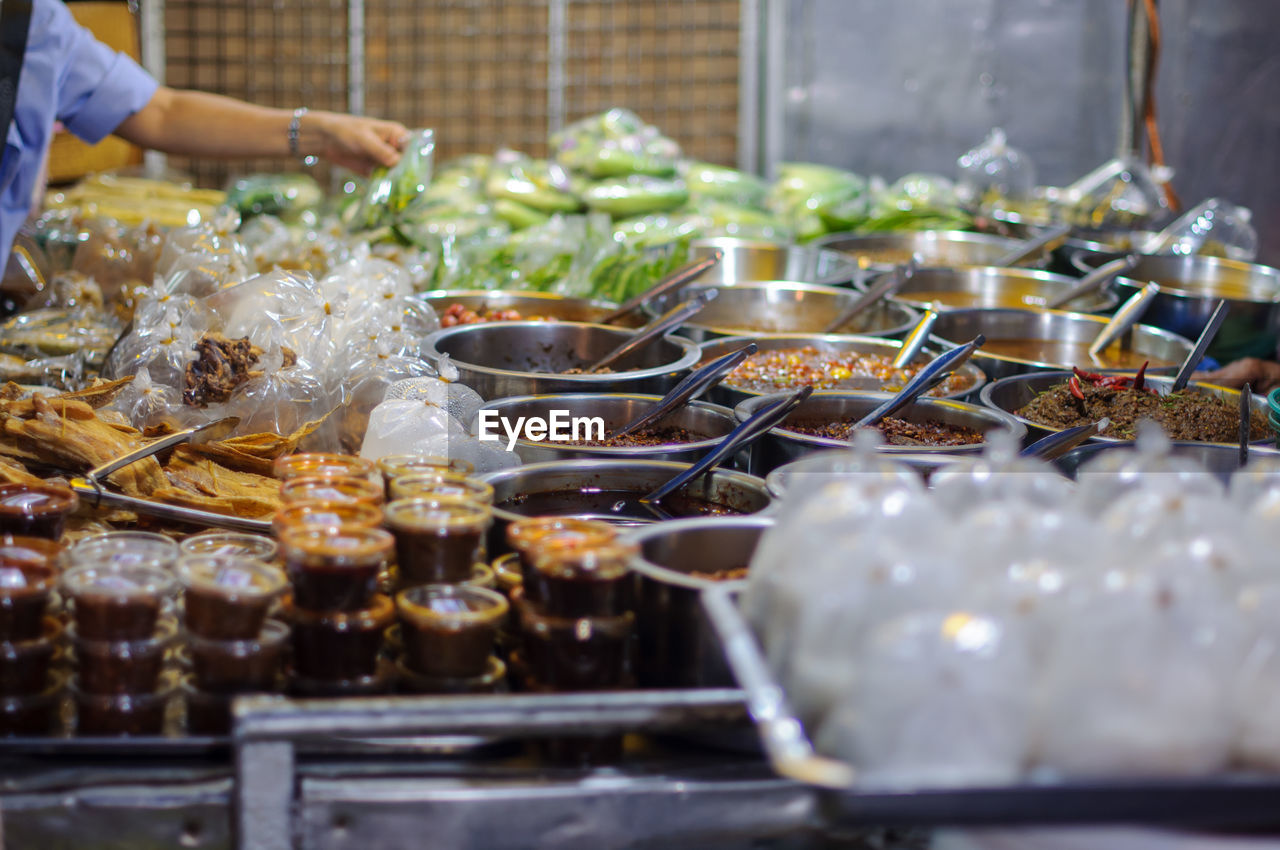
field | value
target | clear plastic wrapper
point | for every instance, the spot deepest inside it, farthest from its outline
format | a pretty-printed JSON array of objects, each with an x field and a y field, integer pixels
[
  {"x": 393, "y": 194},
  {"x": 615, "y": 143},
  {"x": 198, "y": 261},
  {"x": 1215, "y": 227},
  {"x": 284, "y": 195},
  {"x": 941, "y": 700},
  {"x": 995, "y": 169}
]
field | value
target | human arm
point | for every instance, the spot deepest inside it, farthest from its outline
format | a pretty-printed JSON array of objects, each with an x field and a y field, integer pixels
[
  {"x": 1261, "y": 375},
  {"x": 196, "y": 123}
]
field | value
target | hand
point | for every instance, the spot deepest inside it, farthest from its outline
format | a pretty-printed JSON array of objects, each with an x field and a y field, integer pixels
[
  {"x": 1262, "y": 376},
  {"x": 352, "y": 141}
]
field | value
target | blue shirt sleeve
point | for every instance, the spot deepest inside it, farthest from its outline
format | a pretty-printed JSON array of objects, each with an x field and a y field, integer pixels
[{"x": 98, "y": 87}]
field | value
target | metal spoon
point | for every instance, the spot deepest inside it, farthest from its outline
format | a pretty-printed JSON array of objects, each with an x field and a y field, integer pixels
[
  {"x": 675, "y": 280},
  {"x": 739, "y": 438},
  {"x": 923, "y": 380},
  {"x": 1094, "y": 280},
  {"x": 1056, "y": 445},
  {"x": 914, "y": 341},
  {"x": 1246, "y": 422},
  {"x": 694, "y": 384},
  {"x": 1048, "y": 240},
  {"x": 655, "y": 329},
  {"x": 883, "y": 285},
  {"x": 1202, "y": 345},
  {"x": 1123, "y": 321}
]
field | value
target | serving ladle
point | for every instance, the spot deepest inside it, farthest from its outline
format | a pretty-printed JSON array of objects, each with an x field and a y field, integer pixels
[
  {"x": 694, "y": 384},
  {"x": 750, "y": 430},
  {"x": 883, "y": 285},
  {"x": 674, "y": 317},
  {"x": 927, "y": 377}
]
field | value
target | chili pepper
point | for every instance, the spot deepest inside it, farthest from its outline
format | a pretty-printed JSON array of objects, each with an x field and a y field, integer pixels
[
  {"x": 1139, "y": 380},
  {"x": 1092, "y": 377},
  {"x": 1074, "y": 385}
]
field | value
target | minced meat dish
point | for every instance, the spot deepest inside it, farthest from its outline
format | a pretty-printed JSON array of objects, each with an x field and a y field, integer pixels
[
  {"x": 644, "y": 437},
  {"x": 897, "y": 432},
  {"x": 1083, "y": 400}
]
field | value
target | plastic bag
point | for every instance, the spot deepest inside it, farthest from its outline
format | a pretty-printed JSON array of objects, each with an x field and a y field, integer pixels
[
  {"x": 995, "y": 169},
  {"x": 615, "y": 143},
  {"x": 284, "y": 195},
  {"x": 199, "y": 261},
  {"x": 1214, "y": 227},
  {"x": 392, "y": 194}
]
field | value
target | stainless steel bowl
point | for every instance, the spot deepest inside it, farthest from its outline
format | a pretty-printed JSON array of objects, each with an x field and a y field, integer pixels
[
  {"x": 544, "y": 305},
  {"x": 500, "y": 359},
  {"x": 779, "y": 306},
  {"x": 587, "y": 488},
  {"x": 782, "y": 445},
  {"x": 728, "y": 394},
  {"x": 1086, "y": 250},
  {"x": 974, "y": 287},
  {"x": 615, "y": 410},
  {"x": 748, "y": 261},
  {"x": 1190, "y": 288},
  {"x": 956, "y": 327},
  {"x": 678, "y": 648},
  {"x": 878, "y": 252},
  {"x": 1221, "y": 461},
  {"x": 1012, "y": 394}
]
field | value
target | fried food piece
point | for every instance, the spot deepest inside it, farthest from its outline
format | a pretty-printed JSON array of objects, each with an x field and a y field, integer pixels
[
  {"x": 253, "y": 452},
  {"x": 13, "y": 472},
  {"x": 66, "y": 433},
  {"x": 220, "y": 366},
  {"x": 197, "y": 482}
]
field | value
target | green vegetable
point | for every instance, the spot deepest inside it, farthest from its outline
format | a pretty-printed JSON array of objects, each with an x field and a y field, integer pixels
[
  {"x": 280, "y": 195},
  {"x": 534, "y": 184},
  {"x": 518, "y": 215},
  {"x": 724, "y": 184},
  {"x": 631, "y": 196}
]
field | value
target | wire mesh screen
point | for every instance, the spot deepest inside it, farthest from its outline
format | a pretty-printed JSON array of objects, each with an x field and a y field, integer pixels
[
  {"x": 270, "y": 53},
  {"x": 675, "y": 62},
  {"x": 481, "y": 72}
]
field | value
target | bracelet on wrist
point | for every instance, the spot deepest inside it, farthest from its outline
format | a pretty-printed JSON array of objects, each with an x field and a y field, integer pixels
[{"x": 295, "y": 127}]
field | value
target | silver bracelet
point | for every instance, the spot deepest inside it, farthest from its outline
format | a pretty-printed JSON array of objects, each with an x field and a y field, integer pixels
[{"x": 294, "y": 126}]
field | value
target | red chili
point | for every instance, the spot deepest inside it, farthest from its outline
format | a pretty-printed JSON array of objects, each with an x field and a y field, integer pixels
[
  {"x": 1139, "y": 379},
  {"x": 1092, "y": 377},
  {"x": 1074, "y": 385}
]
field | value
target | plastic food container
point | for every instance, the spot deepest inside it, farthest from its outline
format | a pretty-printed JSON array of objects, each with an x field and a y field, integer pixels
[
  {"x": 24, "y": 665},
  {"x": 575, "y": 654},
  {"x": 526, "y": 536},
  {"x": 227, "y": 596},
  {"x": 24, "y": 597},
  {"x": 338, "y": 645},
  {"x": 572, "y": 580},
  {"x": 35, "y": 510},
  {"x": 437, "y": 540},
  {"x": 437, "y": 484},
  {"x": 326, "y": 515},
  {"x": 122, "y": 547},
  {"x": 239, "y": 666},
  {"x": 120, "y": 666},
  {"x": 335, "y": 569},
  {"x": 117, "y": 601},
  {"x": 32, "y": 714},
  {"x": 120, "y": 714},
  {"x": 313, "y": 464},
  {"x": 449, "y": 630},
  {"x": 230, "y": 543},
  {"x": 492, "y": 680},
  {"x": 317, "y": 488}
]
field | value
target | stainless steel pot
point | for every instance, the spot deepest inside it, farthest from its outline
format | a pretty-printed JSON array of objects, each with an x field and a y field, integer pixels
[
  {"x": 500, "y": 359},
  {"x": 615, "y": 410},
  {"x": 678, "y": 648},
  {"x": 782, "y": 445},
  {"x": 749, "y": 261},
  {"x": 1190, "y": 288},
  {"x": 587, "y": 488},
  {"x": 1221, "y": 461},
  {"x": 1011, "y": 394},
  {"x": 875, "y": 253},
  {"x": 729, "y": 394},
  {"x": 956, "y": 327},
  {"x": 779, "y": 306},
  {"x": 1086, "y": 250},
  {"x": 985, "y": 287},
  {"x": 544, "y": 305}
]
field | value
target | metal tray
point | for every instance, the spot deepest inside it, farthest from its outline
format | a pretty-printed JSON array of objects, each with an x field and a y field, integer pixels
[
  {"x": 1229, "y": 801},
  {"x": 409, "y": 725}
]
